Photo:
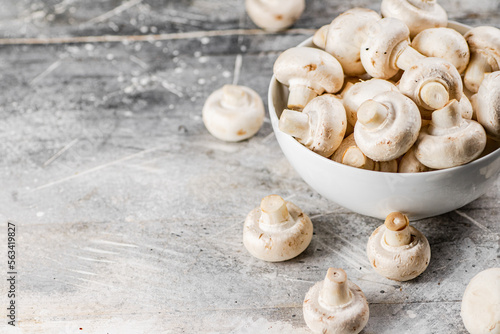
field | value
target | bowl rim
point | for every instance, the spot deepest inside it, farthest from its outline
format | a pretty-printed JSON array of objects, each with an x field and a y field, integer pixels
[{"x": 461, "y": 28}]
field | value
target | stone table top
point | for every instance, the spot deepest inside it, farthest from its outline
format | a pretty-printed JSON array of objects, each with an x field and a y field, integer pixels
[{"x": 129, "y": 214}]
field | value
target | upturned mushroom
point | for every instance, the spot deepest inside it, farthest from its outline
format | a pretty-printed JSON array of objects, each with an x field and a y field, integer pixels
[
  {"x": 397, "y": 250},
  {"x": 335, "y": 305},
  {"x": 348, "y": 153},
  {"x": 449, "y": 140},
  {"x": 387, "y": 126},
  {"x": 361, "y": 92},
  {"x": 274, "y": 15},
  {"x": 320, "y": 127},
  {"x": 308, "y": 72},
  {"x": 418, "y": 15},
  {"x": 233, "y": 113},
  {"x": 344, "y": 37},
  {"x": 481, "y": 303},
  {"x": 484, "y": 45},
  {"x": 277, "y": 230},
  {"x": 444, "y": 43},
  {"x": 386, "y": 49},
  {"x": 488, "y": 104},
  {"x": 410, "y": 164}
]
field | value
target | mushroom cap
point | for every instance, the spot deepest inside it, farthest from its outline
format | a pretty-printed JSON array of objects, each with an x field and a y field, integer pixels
[
  {"x": 410, "y": 164},
  {"x": 310, "y": 67},
  {"x": 431, "y": 70},
  {"x": 281, "y": 242},
  {"x": 488, "y": 104},
  {"x": 485, "y": 40},
  {"x": 350, "y": 318},
  {"x": 361, "y": 92},
  {"x": 327, "y": 124},
  {"x": 319, "y": 37},
  {"x": 400, "y": 263},
  {"x": 233, "y": 113},
  {"x": 444, "y": 43},
  {"x": 449, "y": 140},
  {"x": 418, "y": 15},
  {"x": 274, "y": 15},
  {"x": 481, "y": 303},
  {"x": 390, "y": 166},
  {"x": 345, "y": 35},
  {"x": 395, "y": 134},
  {"x": 384, "y": 42}
]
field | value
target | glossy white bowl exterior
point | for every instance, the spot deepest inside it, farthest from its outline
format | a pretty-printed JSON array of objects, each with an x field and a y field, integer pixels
[{"x": 376, "y": 194}]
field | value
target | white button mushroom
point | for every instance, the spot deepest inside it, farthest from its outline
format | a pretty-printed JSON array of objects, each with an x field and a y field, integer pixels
[
  {"x": 349, "y": 154},
  {"x": 417, "y": 14},
  {"x": 319, "y": 37},
  {"x": 320, "y": 126},
  {"x": 484, "y": 44},
  {"x": 397, "y": 250},
  {"x": 274, "y": 15},
  {"x": 449, "y": 140},
  {"x": 431, "y": 83},
  {"x": 387, "y": 49},
  {"x": 345, "y": 35},
  {"x": 361, "y": 92},
  {"x": 410, "y": 164},
  {"x": 233, "y": 113},
  {"x": 488, "y": 104},
  {"x": 308, "y": 72},
  {"x": 387, "y": 126},
  {"x": 481, "y": 303},
  {"x": 335, "y": 305},
  {"x": 445, "y": 43},
  {"x": 277, "y": 230}
]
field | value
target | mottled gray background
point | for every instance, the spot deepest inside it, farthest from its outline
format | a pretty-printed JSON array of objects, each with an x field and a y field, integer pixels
[{"x": 129, "y": 213}]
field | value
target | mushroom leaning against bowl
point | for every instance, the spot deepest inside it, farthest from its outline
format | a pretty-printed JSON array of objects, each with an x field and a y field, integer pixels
[{"x": 277, "y": 230}]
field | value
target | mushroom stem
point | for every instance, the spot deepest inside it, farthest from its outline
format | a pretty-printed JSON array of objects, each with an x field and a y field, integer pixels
[
  {"x": 434, "y": 95},
  {"x": 299, "y": 96},
  {"x": 372, "y": 114},
  {"x": 233, "y": 96},
  {"x": 274, "y": 211},
  {"x": 397, "y": 232},
  {"x": 474, "y": 74},
  {"x": 335, "y": 291},
  {"x": 407, "y": 57},
  {"x": 447, "y": 117},
  {"x": 295, "y": 123},
  {"x": 355, "y": 158}
]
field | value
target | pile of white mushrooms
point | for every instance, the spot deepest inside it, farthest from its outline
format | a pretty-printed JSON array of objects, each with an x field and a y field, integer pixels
[{"x": 393, "y": 93}]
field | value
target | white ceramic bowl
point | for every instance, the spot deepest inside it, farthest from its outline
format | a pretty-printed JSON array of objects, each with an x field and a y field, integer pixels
[{"x": 376, "y": 194}]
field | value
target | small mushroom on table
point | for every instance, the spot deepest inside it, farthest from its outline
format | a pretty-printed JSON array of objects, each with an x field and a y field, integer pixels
[
  {"x": 277, "y": 230},
  {"x": 488, "y": 105},
  {"x": 335, "y": 305},
  {"x": 320, "y": 126},
  {"x": 274, "y": 15},
  {"x": 481, "y": 303},
  {"x": 344, "y": 37},
  {"x": 449, "y": 140},
  {"x": 308, "y": 72},
  {"x": 387, "y": 126},
  {"x": 484, "y": 44},
  {"x": 397, "y": 250},
  {"x": 418, "y": 15},
  {"x": 233, "y": 113}
]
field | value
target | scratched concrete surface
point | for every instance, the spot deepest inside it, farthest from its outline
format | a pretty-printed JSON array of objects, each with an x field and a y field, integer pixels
[{"x": 129, "y": 213}]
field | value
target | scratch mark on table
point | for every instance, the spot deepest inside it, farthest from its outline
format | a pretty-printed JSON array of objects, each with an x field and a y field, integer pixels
[
  {"x": 237, "y": 68},
  {"x": 49, "y": 69},
  {"x": 83, "y": 272},
  {"x": 356, "y": 265},
  {"x": 94, "y": 260},
  {"x": 113, "y": 243},
  {"x": 95, "y": 282},
  {"x": 148, "y": 38},
  {"x": 94, "y": 169},
  {"x": 469, "y": 218},
  {"x": 101, "y": 251},
  {"x": 171, "y": 88},
  {"x": 115, "y": 11},
  {"x": 139, "y": 62},
  {"x": 60, "y": 152}
]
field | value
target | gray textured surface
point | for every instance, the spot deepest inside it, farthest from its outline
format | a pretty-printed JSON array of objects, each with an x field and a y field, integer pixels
[{"x": 130, "y": 214}]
